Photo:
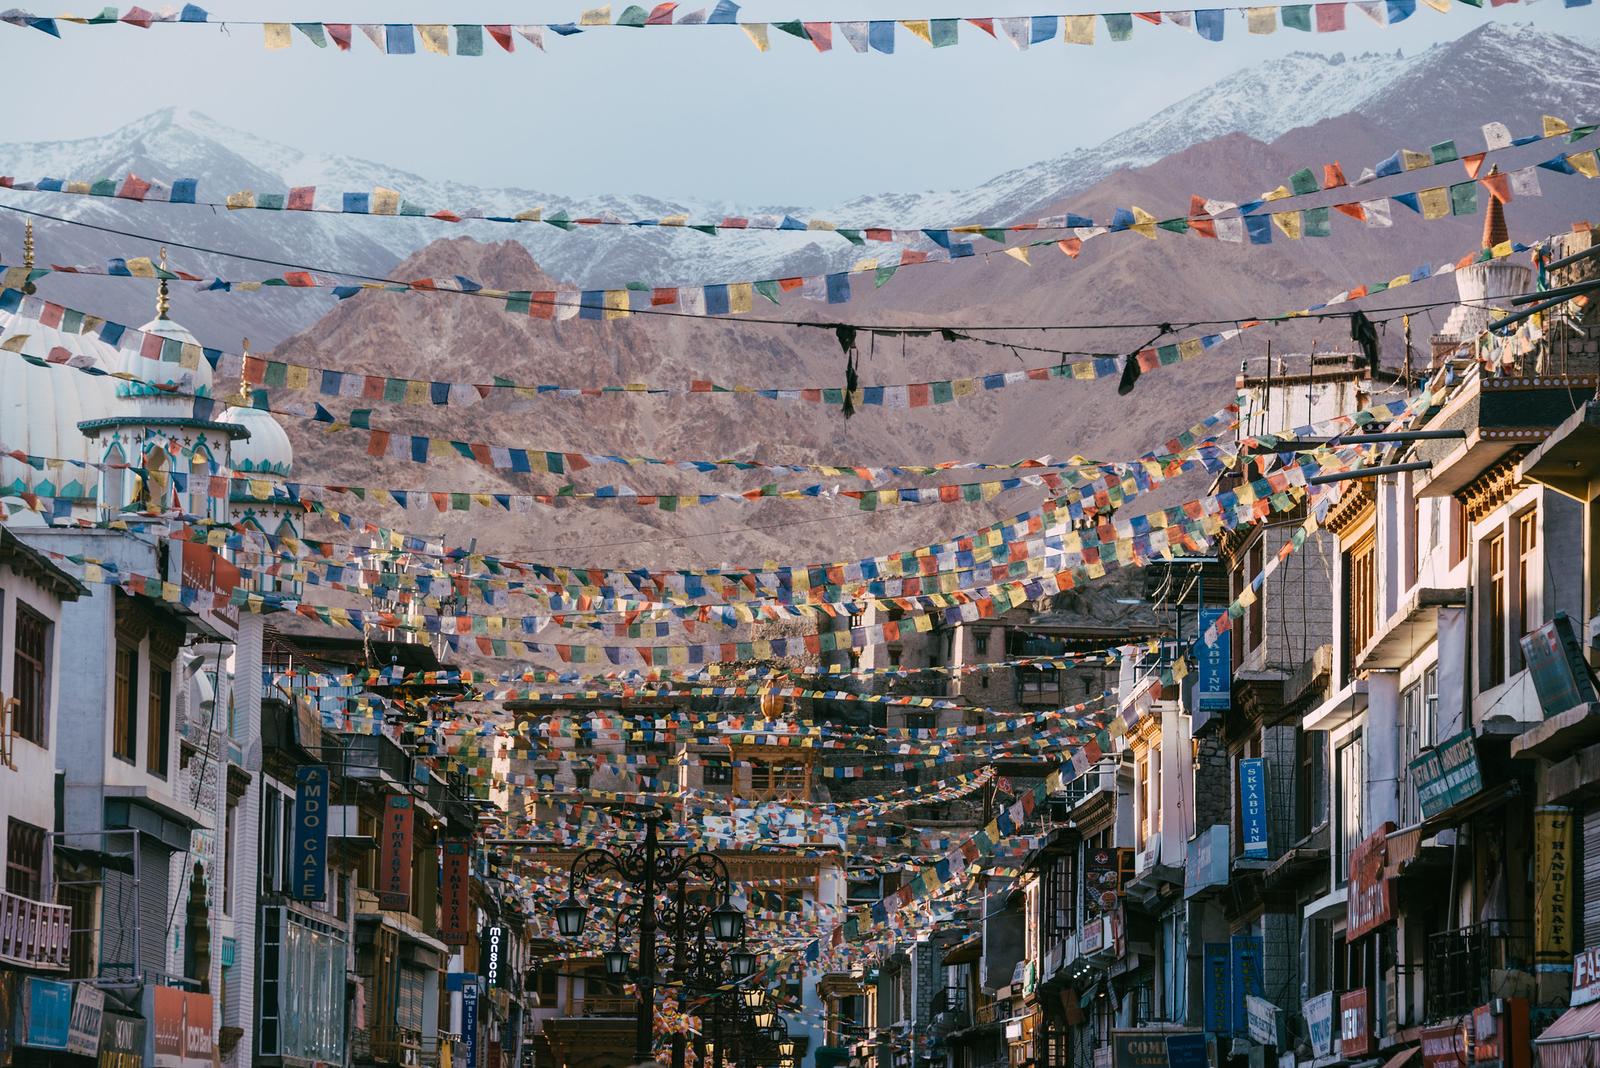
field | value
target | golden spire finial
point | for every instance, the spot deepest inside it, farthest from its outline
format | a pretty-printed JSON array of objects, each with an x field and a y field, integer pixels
[
  {"x": 27, "y": 257},
  {"x": 244, "y": 380},
  {"x": 163, "y": 303}
]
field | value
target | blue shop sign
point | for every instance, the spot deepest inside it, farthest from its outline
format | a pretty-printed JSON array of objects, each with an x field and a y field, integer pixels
[
  {"x": 1245, "y": 977},
  {"x": 1253, "y": 807},
  {"x": 1214, "y": 688},
  {"x": 46, "y": 1014},
  {"x": 469, "y": 1024},
  {"x": 1217, "y": 990}
]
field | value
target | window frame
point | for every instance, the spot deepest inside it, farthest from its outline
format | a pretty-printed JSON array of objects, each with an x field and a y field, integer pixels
[
  {"x": 1349, "y": 763},
  {"x": 158, "y": 721},
  {"x": 30, "y": 719},
  {"x": 22, "y": 879},
  {"x": 125, "y": 704},
  {"x": 1496, "y": 575}
]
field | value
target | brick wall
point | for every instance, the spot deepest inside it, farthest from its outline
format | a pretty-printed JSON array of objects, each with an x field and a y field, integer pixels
[
  {"x": 1213, "y": 783},
  {"x": 1278, "y": 745}
]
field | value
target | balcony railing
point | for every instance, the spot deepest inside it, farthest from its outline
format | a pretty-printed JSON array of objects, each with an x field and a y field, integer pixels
[
  {"x": 605, "y": 1005},
  {"x": 395, "y": 1045},
  {"x": 1464, "y": 968},
  {"x": 34, "y": 934}
]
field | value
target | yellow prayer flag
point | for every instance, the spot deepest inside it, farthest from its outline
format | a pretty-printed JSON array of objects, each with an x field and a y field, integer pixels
[
  {"x": 276, "y": 35},
  {"x": 919, "y": 29},
  {"x": 1143, "y": 223},
  {"x": 1261, "y": 19},
  {"x": 596, "y": 16},
  {"x": 1503, "y": 249},
  {"x": 1019, "y": 253},
  {"x": 531, "y": 215},
  {"x": 1080, "y": 29},
  {"x": 923, "y": 622},
  {"x": 1585, "y": 164},
  {"x": 1435, "y": 202},
  {"x": 171, "y": 592},
  {"x": 141, "y": 267},
  {"x": 1190, "y": 347},
  {"x": 417, "y": 392},
  {"x": 1554, "y": 126},
  {"x": 616, "y": 303},
  {"x": 1277, "y": 194},
  {"x": 385, "y": 201},
  {"x": 1083, "y": 369},
  {"x": 298, "y": 376},
  {"x": 1288, "y": 222},
  {"x": 1438, "y": 5},
  {"x": 741, "y": 297},
  {"x": 757, "y": 32},
  {"x": 1414, "y": 160},
  {"x": 435, "y": 37}
]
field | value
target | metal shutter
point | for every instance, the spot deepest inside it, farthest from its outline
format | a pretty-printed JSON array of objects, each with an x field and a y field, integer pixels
[
  {"x": 155, "y": 906},
  {"x": 1591, "y": 875}
]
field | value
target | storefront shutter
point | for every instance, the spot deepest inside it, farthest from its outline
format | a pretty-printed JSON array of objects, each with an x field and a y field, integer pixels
[
  {"x": 155, "y": 906},
  {"x": 1591, "y": 875}
]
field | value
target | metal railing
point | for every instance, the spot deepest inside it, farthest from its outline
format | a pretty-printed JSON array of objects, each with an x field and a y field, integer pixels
[
  {"x": 605, "y": 1005},
  {"x": 1465, "y": 967},
  {"x": 392, "y": 1044},
  {"x": 35, "y": 934}
]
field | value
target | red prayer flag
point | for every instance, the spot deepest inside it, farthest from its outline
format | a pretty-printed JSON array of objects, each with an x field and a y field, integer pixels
[
  {"x": 663, "y": 295},
  {"x": 1330, "y": 18},
  {"x": 302, "y": 198},
  {"x": 1071, "y": 246},
  {"x": 138, "y": 16},
  {"x": 1473, "y": 163},
  {"x": 1498, "y": 185},
  {"x": 821, "y": 34},
  {"x": 300, "y": 279},
  {"x": 918, "y": 393},
  {"x": 542, "y": 305},
  {"x": 661, "y": 15},
  {"x": 1200, "y": 221},
  {"x": 1333, "y": 175},
  {"x": 986, "y": 25},
  {"x": 1152, "y": 17},
  {"x": 133, "y": 188},
  {"x": 378, "y": 443},
  {"x": 502, "y": 37},
  {"x": 340, "y": 32}
]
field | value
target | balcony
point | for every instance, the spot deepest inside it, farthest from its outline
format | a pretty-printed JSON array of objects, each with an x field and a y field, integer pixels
[
  {"x": 605, "y": 1005},
  {"x": 395, "y": 1045},
  {"x": 1467, "y": 967},
  {"x": 34, "y": 934}
]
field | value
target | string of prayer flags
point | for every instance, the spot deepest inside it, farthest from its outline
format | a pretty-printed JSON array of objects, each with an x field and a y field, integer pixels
[{"x": 879, "y": 36}]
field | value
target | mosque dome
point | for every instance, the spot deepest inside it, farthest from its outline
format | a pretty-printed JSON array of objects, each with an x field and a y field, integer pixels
[
  {"x": 147, "y": 401},
  {"x": 267, "y": 451},
  {"x": 41, "y": 407}
]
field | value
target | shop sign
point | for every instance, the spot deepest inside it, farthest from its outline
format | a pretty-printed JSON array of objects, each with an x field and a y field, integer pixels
[
  {"x": 1486, "y": 1045},
  {"x": 1216, "y": 989},
  {"x": 1355, "y": 1026},
  {"x": 1586, "y": 976},
  {"x": 469, "y": 1026},
  {"x": 1500, "y": 1033},
  {"x": 1214, "y": 687},
  {"x": 1447, "y": 774},
  {"x": 1206, "y": 864},
  {"x": 46, "y": 1013},
  {"x": 1318, "y": 1013},
  {"x": 8, "y": 1000},
  {"x": 182, "y": 1036},
  {"x": 1246, "y": 978},
  {"x": 1369, "y": 900},
  {"x": 1102, "y": 879},
  {"x": 88, "y": 1012},
  {"x": 1555, "y": 662},
  {"x": 1445, "y": 1045},
  {"x": 1263, "y": 1020},
  {"x": 492, "y": 944},
  {"x": 310, "y": 868},
  {"x": 394, "y": 854},
  {"x": 455, "y": 921},
  {"x": 1092, "y": 937},
  {"x": 1552, "y": 876},
  {"x": 1253, "y": 807},
  {"x": 1155, "y": 1050},
  {"x": 121, "y": 1041}
]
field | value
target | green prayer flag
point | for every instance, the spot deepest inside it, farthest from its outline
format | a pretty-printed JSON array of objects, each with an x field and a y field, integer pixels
[
  {"x": 704, "y": 228},
  {"x": 469, "y": 39},
  {"x": 519, "y": 302},
  {"x": 560, "y": 220},
  {"x": 852, "y": 236},
  {"x": 1464, "y": 198},
  {"x": 942, "y": 393},
  {"x": 996, "y": 235},
  {"x": 793, "y": 29},
  {"x": 1315, "y": 222},
  {"x": 1296, "y": 17},
  {"x": 869, "y": 501},
  {"x": 394, "y": 391},
  {"x": 1303, "y": 181},
  {"x": 107, "y": 14},
  {"x": 634, "y": 15},
  {"x": 1445, "y": 152},
  {"x": 943, "y": 32},
  {"x": 1179, "y": 225},
  {"x": 270, "y": 201},
  {"x": 768, "y": 288},
  {"x": 1580, "y": 132},
  {"x": 277, "y": 374},
  {"x": 833, "y": 396},
  {"x": 313, "y": 32},
  {"x": 884, "y": 273},
  {"x": 1119, "y": 26},
  {"x": 460, "y": 502},
  {"x": 105, "y": 187}
]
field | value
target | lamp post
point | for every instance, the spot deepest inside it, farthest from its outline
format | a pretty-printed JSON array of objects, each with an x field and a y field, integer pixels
[{"x": 649, "y": 867}]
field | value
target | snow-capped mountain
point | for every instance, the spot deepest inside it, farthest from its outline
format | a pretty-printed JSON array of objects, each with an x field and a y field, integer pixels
[{"x": 1503, "y": 72}]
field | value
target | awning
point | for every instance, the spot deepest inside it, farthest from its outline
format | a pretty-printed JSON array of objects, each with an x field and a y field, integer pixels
[
  {"x": 967, "y": 951},
  {"x": 1573, "y": 1041},
  {"x": 1402, "y": 1057}
]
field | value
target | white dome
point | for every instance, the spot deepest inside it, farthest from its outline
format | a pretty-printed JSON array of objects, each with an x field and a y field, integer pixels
[
  {"x": 147, "y": 401},
  {"x": 267, "y": 451},
  {"x": 41, "y": 407}
]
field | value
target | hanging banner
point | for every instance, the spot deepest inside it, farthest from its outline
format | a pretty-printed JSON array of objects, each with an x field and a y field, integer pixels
[
  {"x": 88, "y": 1016},
  {"x": 1264, "y": 1021},
  {"x": 1318, "y": 1013},
  {"x": 310, "y": 865},
  {"x": 1445, "y": 1045},
  {"x": 1214, "y": 687},
  {"x": 46, "y": 1011},
  {"x": 1253, "y": 807},
  {"x": 1217, "y": 989},
  {"x": 492, "y": 950},
  {"x": 1355, "y": 1026},
  {"x": 469, "y": 1024},
  {"x": 455, "y": 906},
  {"x": 1553, "y": 874},
  {"x": 394, "y": 854},
  {"x": 1586, "y": 976},
  {"x": 121, "y": 1041}
]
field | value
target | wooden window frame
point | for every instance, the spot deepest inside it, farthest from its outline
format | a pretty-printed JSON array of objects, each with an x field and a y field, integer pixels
[
  {"x": 22, "y": 878},
  {"x": 125, "y": 704},
  {"x": 158, "y": 722},
  {"x": 33, "y": 632}
]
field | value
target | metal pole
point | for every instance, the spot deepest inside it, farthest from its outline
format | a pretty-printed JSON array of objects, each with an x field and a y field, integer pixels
[
  {"x": 680, "y": 954},
  {"x": 644, "y": 1035}
]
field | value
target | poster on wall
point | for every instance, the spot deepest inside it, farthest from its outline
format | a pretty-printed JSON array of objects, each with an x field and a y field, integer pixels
[
  {"x": 394, "y": 854},
  {"x": 121, "y": 1041}
]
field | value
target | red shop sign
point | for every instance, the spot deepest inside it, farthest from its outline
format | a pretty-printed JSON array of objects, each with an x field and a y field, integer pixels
[
  {"x": 1369, "y": 901},
  {"x": 1445, "y": 1045},
  {"x": 1355, "y": 1025}
]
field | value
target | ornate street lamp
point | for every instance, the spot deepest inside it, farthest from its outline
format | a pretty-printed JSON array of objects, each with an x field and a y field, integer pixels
[
  {"x": 570, "y": 915},
  {"x": 617, "y": 962},
  {"x": 742, "y": 962},
  {"x": 727, "y": 922}
]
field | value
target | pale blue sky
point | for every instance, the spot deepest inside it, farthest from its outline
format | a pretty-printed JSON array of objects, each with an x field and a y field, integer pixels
[{"x": 676, "y": 112}]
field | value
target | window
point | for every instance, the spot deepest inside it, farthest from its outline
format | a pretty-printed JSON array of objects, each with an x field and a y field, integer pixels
[
  {"x": 1257, "y": 613},
  {"x": 277, "y": 845},
  {"x": 1416, "y": 735},
  {"x": 894, "y": 656},
  {"x": 30, "y": 676},
  {"x": 158, "y": 742},
  {"x": 230, "y": 855},
  {"x": 717, "y": 772},
  {"x": 919, "y": 721},
  {"x": 1360, "y": 597},
  {"x": 1527, "y": 579},
  {"x": 582, "y": 777},
  {"x": 25, "y": 860},
  {"x": 1311, "y": 809},
  {"x": 1493, "y": 670},
  {"x": 125, "y": 714},
  {"x": 1414, "y": 532},
  {"x": 1349, "y": 784},
  {"x": 1147, "y": 770},
  {"x": 1460, "y": 531},
  {"x": 980, "y": 642}
]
